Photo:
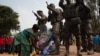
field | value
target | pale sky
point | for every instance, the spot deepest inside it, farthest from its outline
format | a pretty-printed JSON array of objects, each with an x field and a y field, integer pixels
[{"x": 24, "y": 9}]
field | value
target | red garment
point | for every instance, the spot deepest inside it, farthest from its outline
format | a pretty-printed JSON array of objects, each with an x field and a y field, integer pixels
[
  {"x": 9, "y": 40},
  {"x": 2, "y": 41}
]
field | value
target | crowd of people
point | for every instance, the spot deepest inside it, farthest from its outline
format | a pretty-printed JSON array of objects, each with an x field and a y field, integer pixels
[
  {"x": 5, "y": 44},
  {"x": 77, "y": 23}
]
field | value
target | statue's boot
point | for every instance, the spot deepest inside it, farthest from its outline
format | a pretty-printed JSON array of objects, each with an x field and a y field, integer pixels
[
  {"x": 56, "y": 51},
  {"x": 79, "y": 51},
  {"x": 67, "y": 51},
  {"x": 90, "y": 52}
]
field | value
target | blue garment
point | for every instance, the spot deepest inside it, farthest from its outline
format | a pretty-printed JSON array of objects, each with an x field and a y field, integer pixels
[
  {"x": 99, "y": 39},
  {"x": 96, "y": 39},
  {"x": 47, "y": 50},
  {"x": 48, "y": 47},
  {"x": 47, "y": 41}
]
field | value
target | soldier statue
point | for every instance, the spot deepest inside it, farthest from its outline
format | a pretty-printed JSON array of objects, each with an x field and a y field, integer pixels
[
  {"x": 86, "y": 28},
  {"x": 42, "y": 19},
  {"x": 71, "y": 25},
  {"x": 55, "y": 17}
]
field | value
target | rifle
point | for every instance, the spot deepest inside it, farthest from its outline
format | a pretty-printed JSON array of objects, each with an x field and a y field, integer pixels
[
  {"x": 35, "y": 15},
  {"x": 47, "y": 3}
]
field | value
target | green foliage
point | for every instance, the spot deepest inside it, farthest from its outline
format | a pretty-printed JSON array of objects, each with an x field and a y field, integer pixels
[{"x": 8, "y": 20}]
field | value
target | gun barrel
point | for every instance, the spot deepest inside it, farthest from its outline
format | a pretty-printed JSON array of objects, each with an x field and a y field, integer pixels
[
  {"x": 33, "y": 11},
  {"x": 47, "y": 3}
]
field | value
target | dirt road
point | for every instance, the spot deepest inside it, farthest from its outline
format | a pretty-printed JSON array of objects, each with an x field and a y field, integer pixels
[{"x": 62, "y": 52}]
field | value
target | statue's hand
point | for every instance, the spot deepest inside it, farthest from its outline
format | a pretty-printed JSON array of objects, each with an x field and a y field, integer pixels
[
  {"x": 48, "y": 6},
  {"x": 35, "y": 14}
]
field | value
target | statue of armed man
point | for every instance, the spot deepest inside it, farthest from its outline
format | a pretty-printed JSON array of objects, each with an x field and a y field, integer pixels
[
  {"x": 71, "y": 25},
  {"x": 86, "y": 28},
  {"x": 55, "y": 17},
  {"x": 42, "y": 19}
]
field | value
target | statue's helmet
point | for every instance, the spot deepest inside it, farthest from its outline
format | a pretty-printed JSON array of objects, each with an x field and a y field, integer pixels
[
  {"x": 39, "y": 11},
  {"x": 52, "y": 5}
]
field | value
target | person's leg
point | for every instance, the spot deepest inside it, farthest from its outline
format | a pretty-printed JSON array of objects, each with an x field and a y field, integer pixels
[
  {"x": 90, "y": 39},
  {"x": 18, "y": 50},
  {"x": 9, "y": 49},
  {"x": 83, "y": 38},
  {"x": 56, "y": 41},
  {"x": 76, "y": 32},
  {"x": 66, "y": 43},
  {"x": 55, "y": 32},
  {"x": 61, "y": 32},
  {"x": 84, "y": 42},
  {"x": 90, "y": 45},
  {"x": 1, "y": 49},
  {"x": 66, "y": 36}
]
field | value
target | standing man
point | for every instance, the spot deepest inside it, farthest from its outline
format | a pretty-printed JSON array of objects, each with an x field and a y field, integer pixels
[
  {"x": 86, "y": 28},
  {"x": 71, "y": 25},
  {"x": 55, "y": 17},
  {"x": 25, "y": 39},
  {"x": 42, "y": 19}
]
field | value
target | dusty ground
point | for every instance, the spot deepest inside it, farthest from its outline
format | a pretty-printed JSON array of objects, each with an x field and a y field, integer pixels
[{"x": 62, "y": 52}]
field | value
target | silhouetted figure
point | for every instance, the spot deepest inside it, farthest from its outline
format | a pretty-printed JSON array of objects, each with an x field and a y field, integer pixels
[
  {"x": 71, "y": 25},
  {"x": 86, "y": 28}
]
